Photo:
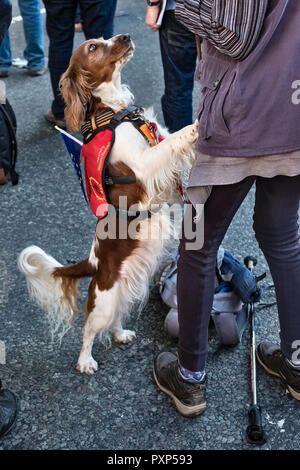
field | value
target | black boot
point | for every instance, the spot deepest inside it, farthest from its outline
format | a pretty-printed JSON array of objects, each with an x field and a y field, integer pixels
[{"x": 8, "y": 410}]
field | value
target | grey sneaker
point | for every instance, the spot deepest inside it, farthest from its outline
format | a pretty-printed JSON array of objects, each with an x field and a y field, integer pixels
[
  {"x": 189, "y": 398},
  {"x": 271, "y": 358}
]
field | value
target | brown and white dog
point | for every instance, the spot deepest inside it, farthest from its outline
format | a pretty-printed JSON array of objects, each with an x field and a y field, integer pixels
[{"x": 120, "y": 268}]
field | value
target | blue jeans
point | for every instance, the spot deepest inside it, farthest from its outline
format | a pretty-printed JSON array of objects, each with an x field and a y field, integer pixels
[
  {"x": 34, "y": 37},
  {"x": 277, "y": 232},
  {"x": 5, "y": 17},
  {"x": 179, "y": 54},
  {"x": 97, "y": 20}
]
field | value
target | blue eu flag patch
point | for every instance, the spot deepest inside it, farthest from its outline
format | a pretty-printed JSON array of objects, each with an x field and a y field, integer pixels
[{"x": 74, "y": 147}]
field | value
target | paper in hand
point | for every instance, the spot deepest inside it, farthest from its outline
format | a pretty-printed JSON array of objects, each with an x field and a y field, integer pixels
[{"x": 161, "y": 13}]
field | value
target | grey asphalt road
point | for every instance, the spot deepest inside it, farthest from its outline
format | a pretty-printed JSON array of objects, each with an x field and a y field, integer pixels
[{"x": 119, "y": 407}]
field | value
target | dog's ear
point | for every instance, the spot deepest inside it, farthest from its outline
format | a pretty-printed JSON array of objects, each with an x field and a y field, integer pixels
[{"x": 76, "y": 93}]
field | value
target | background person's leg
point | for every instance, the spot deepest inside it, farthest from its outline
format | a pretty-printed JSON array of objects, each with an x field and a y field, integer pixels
[
  {"x": 34, "y": 34},
  {"x": 60, "y": 28},
  {"x": 97, "y": 17},
  {"x": 179, "y": 54},
  {"x": 5, "y": 54}
]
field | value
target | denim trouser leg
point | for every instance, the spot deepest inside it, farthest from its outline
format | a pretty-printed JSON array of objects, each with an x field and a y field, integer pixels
[
  {"x": 5, "y": 53},
  {"x": 276, "y": 227},
  {"x": 60, "y": 28},
  {"x": 179, "y": 54},
  {"x": 33, "y": 31}
]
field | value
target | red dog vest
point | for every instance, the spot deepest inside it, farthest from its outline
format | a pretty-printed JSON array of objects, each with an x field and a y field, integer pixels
[{"x": 99, "y": 135}]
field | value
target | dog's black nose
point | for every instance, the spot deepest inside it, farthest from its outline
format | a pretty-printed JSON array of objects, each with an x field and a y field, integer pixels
[{"x": 124, "y": 38}]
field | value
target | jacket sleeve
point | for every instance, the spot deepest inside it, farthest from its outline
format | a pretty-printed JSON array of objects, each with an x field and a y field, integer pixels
[
  {"x": 5, "y": 17},
  {"x": 232, "y": 26}
]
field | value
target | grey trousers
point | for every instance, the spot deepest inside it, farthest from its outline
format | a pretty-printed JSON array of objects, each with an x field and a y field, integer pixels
[{"x": 277, "y": 232}]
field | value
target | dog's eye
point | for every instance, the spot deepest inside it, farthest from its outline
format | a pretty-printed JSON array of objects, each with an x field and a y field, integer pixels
[{"x": 92, "y": 47}]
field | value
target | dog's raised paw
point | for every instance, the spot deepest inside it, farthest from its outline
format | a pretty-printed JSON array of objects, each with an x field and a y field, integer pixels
[
  {"x": 87, "y": 366},
  {"x": 194, "y": 131},
  {"x": 190, "y": 134},
  {"x": 124, "y": 336}
]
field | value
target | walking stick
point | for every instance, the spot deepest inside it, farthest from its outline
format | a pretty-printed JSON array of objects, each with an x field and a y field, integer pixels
[{"x": 255, "y": 433}]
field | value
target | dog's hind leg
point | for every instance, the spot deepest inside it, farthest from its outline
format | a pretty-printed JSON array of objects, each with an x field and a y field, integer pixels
[{"x": 102, "y": 310}]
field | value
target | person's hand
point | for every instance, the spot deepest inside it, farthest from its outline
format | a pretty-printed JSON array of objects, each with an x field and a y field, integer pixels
[{"x": 151, "y": 17}]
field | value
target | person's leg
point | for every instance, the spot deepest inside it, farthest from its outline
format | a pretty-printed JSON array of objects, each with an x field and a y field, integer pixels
[
  {"x": 179, "y": 54},
  {"x": 277, "y": 232},
  {"x": 197, "y": 270},
  {"x": 33, "y": 31},
  {"x": 97, "y": 18},
  {"x": 60, "y": 18},
  {"x": 195, "y": 291},
  {"x": 5, "y": 54}
]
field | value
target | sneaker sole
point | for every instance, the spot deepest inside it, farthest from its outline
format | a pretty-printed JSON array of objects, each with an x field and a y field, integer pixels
[
  {"x": 293, "y": 392},
  {"x": 184, "y": 410}
]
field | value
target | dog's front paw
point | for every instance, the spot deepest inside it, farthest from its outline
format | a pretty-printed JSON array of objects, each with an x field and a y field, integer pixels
[
  {"x": 87, "y": 366},
  {"x": 124, "y": 336},
  {"x": 188, "y": 136}
]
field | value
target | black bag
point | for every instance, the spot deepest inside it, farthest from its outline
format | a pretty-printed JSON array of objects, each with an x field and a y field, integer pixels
[{"x": 8, "y": 144}]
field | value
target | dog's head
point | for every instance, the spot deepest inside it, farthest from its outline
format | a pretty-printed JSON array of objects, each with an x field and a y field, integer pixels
[{"x": 93, "y": 77}]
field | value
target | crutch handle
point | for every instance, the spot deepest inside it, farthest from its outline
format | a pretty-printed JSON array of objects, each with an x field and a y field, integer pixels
[{"x": 255, "y": 432}]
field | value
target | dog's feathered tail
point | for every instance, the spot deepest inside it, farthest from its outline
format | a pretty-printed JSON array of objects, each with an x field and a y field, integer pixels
[{"x": 54, "y": 287}]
